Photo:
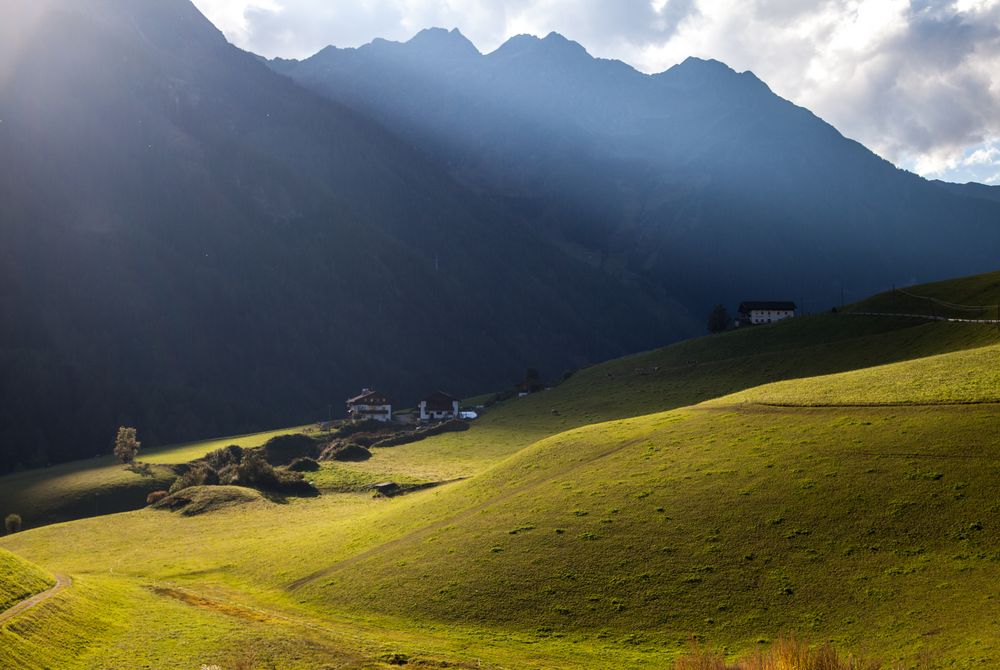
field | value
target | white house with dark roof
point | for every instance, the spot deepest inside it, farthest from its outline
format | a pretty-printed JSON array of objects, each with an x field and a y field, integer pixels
[
  {"x": 755, "y": 313},
  {"x": 438, "y": 406},
  {"x": 370, "y": 405}
]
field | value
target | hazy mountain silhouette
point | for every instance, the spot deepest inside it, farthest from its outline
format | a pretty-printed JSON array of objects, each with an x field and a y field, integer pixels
[
  {"x": 195, "y": 245},
  {"x": 699, "y": 182}
]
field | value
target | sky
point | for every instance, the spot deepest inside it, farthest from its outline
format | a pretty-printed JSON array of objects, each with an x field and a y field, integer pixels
[{"x": 916, "y": 81}]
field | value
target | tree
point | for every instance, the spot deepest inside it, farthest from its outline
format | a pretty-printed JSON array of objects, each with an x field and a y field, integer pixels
[
  {"x": 126, "y": 446},
  {"x": 12, "y": 523},
  {"x": 718, "y": 320}
]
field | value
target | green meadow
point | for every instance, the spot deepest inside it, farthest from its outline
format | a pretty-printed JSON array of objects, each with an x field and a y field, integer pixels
[
  {"x": 19, "y": 579},
  {"x": 832, "y": 477}
]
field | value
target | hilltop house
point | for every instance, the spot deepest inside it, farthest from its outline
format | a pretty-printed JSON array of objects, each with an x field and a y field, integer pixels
[
  {"x": 754, "y": 313},
  {"x": 369, "y": 405},
  {"x": 438, "y": 406}
]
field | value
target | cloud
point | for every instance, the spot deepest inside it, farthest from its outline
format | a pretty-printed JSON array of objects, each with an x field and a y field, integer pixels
[{"x": 917, "y": 81}]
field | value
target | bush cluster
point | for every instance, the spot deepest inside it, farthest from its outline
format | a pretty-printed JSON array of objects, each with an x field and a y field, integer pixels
[
  {"x": 344, "y": 451},
  {"x": 284, "y": 449},
  {"x": 235, "y": 466},
  {"x": 304, "y": 464}
]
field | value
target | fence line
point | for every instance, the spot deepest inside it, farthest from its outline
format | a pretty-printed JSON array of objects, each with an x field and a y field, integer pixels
[{"x": 926, "y": 316}]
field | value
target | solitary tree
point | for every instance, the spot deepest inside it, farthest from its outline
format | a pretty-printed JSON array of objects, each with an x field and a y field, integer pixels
[
  {"x": 12, "y": 523},
  {"x": 718, "y": 320},
  {"x": 126, "y": 446}
]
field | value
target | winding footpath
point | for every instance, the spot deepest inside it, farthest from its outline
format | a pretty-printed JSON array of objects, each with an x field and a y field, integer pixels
[{"x": 62, "y": 582}]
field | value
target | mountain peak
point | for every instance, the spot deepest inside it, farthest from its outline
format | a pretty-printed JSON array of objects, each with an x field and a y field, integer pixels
[
  {"x": 703, "y": 66},
  {"x": 694, "y": 71},
  {"x": 551, "y": 44},
  {"x": 442, "y": 41}
]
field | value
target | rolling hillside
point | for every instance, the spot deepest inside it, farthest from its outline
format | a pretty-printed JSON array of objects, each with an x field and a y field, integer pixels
[
  {"x": 832, "y": 477},
  {"x": 19, "y": 579},
  {"x": 730, "y": 520}
]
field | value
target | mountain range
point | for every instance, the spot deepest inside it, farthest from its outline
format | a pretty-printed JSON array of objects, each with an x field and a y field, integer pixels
[
  {"x": 195, "y": 240},
  {"x": 698, "y": 183}
]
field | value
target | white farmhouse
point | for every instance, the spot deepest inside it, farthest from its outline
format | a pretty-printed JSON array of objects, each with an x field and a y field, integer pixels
[
  {"x": 754, "y": 313},
  {"x": 438, "y": 406},
  {"x": 369, "y": 405}
]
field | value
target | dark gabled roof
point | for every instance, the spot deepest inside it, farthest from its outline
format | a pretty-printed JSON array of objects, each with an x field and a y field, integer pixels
[
  {"x": 439, "y": 401},
  {"x": 777, "y": 306},
  {"x": 369, "y": 398}
]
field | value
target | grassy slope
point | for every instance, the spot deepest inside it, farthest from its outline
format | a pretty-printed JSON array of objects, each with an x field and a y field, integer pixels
[
  {"x": 676, "y": 376},
  {"x": 729, "y": 521},
  {"x": 19, "y": 579},
  {"x": 971, "y": 377},
  {"x": 981, "y": 289},
  {"x": 876, "y": 527},
  {"x": 101, "y": 485},
  {"x": 886, "y": 519}
]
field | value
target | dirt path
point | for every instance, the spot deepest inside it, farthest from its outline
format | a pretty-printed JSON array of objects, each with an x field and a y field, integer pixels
[{"x": 62, "y": 582}]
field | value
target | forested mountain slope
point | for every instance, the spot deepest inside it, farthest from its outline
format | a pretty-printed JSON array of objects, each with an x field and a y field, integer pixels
[{"x": 195, "y": 245}]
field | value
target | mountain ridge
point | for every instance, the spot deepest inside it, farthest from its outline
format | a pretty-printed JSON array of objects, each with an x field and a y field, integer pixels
[{"x": 652, "y": 170}]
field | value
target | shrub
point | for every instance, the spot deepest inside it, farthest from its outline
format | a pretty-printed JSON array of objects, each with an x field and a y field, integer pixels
[
  {"x": 219, "y": 459},
  {"x": 354, "y": 427},
  {"x": 283, "y": 449},
  {"x": 255, "y": 471},
  {"x": 156, "y": 496},
  {"x": 198, "y": 474},
  {"x": 718, "y": 320},
  {"x": 12, "y": 523},
  {"x": 304, "y": 464},
  {"x": 345, "y": 451},
  {"x": 126, "y": 446}
]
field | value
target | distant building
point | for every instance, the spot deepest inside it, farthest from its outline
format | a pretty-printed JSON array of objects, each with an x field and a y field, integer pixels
[
  {"x": 438, "y": 406},
  {"x": 754, "y": 313},
  {"x": 530, "y": 385},
  {"x": 370, "y": 405}
]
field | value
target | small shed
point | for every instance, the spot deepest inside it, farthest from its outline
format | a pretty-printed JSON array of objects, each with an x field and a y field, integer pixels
[{"x": 386, "y": 489}]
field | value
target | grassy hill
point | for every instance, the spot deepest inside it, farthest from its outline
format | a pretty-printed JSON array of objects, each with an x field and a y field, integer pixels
[
  {"x": 729, "y": 521},
  {"x": 832, "y": 477},
  {"x": 101, "y": 485},
  {"x": 19, "y": 579}
]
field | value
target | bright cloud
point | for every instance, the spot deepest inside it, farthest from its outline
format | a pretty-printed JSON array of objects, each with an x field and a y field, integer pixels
[{"x": 917, "y": 81}]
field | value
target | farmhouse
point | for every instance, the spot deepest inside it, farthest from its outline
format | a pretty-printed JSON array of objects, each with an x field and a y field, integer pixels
[
  {"x": 753, "y": 313},
  {"x": 438, "y": 406},
  {"x": 370, "y": 405},
  {"x": 529, "y": 386}
]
